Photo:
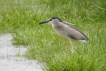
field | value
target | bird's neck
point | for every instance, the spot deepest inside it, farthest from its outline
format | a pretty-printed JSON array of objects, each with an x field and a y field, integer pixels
[{"x": 56, "y": 25}]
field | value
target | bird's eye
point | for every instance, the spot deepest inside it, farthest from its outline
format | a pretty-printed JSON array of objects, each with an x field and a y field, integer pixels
[{"x": 50, "y": 19}]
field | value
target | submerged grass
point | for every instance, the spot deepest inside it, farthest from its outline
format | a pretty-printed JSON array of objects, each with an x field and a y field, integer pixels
[{"x": 21, "y": 18}]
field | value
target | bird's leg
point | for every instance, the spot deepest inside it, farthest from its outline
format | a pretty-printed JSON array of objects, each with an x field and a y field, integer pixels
[
  {"x": 66, "y": 44},
  {"x": 72, "y": 47},
  {"x": 71, "y": 44},
  {"x": 66, "y": 47}
]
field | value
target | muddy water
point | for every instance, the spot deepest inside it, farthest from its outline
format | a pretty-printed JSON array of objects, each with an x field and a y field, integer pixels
[{"x": 8, "y": 59}]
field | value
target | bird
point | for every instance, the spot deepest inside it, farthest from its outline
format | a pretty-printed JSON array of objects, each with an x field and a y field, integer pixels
[{"x": 65, "y": 29}]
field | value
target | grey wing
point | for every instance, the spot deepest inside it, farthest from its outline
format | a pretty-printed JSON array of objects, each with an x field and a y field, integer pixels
[
  {"x": 70, "y": 25},
  {"x": 74, "y": 33},
  {"x": 77, "y": 35}
]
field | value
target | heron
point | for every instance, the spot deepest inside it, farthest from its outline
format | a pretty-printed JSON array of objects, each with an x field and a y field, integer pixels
[{"x": 65, "y": 29}]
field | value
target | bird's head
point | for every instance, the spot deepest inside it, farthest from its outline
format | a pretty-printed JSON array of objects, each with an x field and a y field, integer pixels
[{"x": 51, "y": 20}]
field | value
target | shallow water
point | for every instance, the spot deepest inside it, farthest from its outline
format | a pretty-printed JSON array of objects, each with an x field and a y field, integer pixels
[{"x": 8, "y": 59}]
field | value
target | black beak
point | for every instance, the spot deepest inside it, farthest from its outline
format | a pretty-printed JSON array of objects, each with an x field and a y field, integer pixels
[{"x": 44, "y": 22}]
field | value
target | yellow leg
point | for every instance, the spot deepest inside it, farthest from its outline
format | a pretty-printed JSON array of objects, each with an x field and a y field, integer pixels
[
  {"x": 66, "y": 47},
  {"x": 72, "y": 47}
]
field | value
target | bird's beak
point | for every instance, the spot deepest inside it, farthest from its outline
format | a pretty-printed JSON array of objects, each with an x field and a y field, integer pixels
[{"x": 44, "y": 22}]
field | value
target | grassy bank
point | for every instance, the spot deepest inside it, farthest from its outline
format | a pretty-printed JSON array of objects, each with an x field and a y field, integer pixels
[{"x": 21, "y": 18}]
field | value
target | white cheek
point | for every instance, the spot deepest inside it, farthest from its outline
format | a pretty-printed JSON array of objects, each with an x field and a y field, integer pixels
[{"x": 50, "y": 22}]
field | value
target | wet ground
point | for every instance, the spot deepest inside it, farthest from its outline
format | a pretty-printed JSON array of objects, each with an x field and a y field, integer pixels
[{"x": 9, "y": 61}]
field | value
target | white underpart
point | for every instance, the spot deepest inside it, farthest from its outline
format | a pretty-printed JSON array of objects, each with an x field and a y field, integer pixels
[{"x": 83, "y": 41}]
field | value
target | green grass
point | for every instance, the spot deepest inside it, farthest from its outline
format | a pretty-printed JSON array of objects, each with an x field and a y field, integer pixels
[{"x": 21, "y": 18}]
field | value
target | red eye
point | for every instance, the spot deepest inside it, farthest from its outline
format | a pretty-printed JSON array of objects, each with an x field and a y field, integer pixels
[{"x": 50, "y": 19}]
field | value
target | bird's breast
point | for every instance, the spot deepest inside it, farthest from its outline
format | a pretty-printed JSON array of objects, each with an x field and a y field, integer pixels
[{"x": 60, "y": 30}]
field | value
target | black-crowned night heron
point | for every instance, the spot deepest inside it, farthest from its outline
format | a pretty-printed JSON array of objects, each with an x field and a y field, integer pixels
[{"x": 66, "y": 30}]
